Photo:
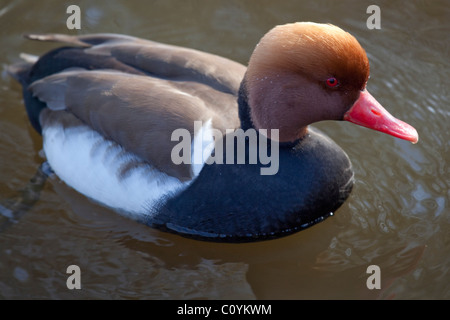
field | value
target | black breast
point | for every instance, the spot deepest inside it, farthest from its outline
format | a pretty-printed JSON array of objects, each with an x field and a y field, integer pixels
[{"x": 235, "y": 203}]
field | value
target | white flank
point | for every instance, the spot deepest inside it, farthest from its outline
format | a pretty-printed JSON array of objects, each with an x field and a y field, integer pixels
[
  {"x": 94, "y": 166},
  {"x": 202, "y": 145}
]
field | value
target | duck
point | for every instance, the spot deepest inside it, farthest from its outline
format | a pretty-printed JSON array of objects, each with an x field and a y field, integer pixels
[{"x": 132, "y": 124}]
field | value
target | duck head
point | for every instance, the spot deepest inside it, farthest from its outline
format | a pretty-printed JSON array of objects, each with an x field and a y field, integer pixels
[{"x": 302, "y": 73}]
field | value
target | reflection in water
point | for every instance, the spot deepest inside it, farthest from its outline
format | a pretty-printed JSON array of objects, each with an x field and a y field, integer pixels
[
  {"x": 14, "y": 208},
  {"x": 397, "y": 216}
]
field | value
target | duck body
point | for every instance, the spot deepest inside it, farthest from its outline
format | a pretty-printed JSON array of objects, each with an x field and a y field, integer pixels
[{"x": 107, "y": 106}]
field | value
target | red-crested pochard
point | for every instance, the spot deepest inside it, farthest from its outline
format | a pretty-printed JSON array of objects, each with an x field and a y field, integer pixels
[{"x": 108, "y": 106}]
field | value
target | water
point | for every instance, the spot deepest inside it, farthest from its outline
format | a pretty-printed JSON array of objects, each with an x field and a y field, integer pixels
[{"x": 397, "y": 217}]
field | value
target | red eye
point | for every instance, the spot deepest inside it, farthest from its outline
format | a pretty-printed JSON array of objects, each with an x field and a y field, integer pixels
[{"x": 332, "y": 82}]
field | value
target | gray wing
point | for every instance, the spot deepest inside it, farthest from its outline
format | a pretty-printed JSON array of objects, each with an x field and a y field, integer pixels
[
  {"x": 161, "y": 60},
  {"x": 141, "y": 112}
]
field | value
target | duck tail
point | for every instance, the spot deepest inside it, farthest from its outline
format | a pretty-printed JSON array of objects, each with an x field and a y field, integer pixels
[
  {"x": 54, "y": 37},
  {"x": 20, "y": 71}
]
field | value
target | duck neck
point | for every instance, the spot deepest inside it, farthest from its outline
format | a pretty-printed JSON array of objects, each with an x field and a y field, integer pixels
[
  {"x": 246, "y": 118},
  {"x": 244, "y": 109}
]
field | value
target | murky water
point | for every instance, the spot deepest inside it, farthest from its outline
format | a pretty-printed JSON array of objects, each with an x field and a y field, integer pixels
[{"x": 397, "y": 217}]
